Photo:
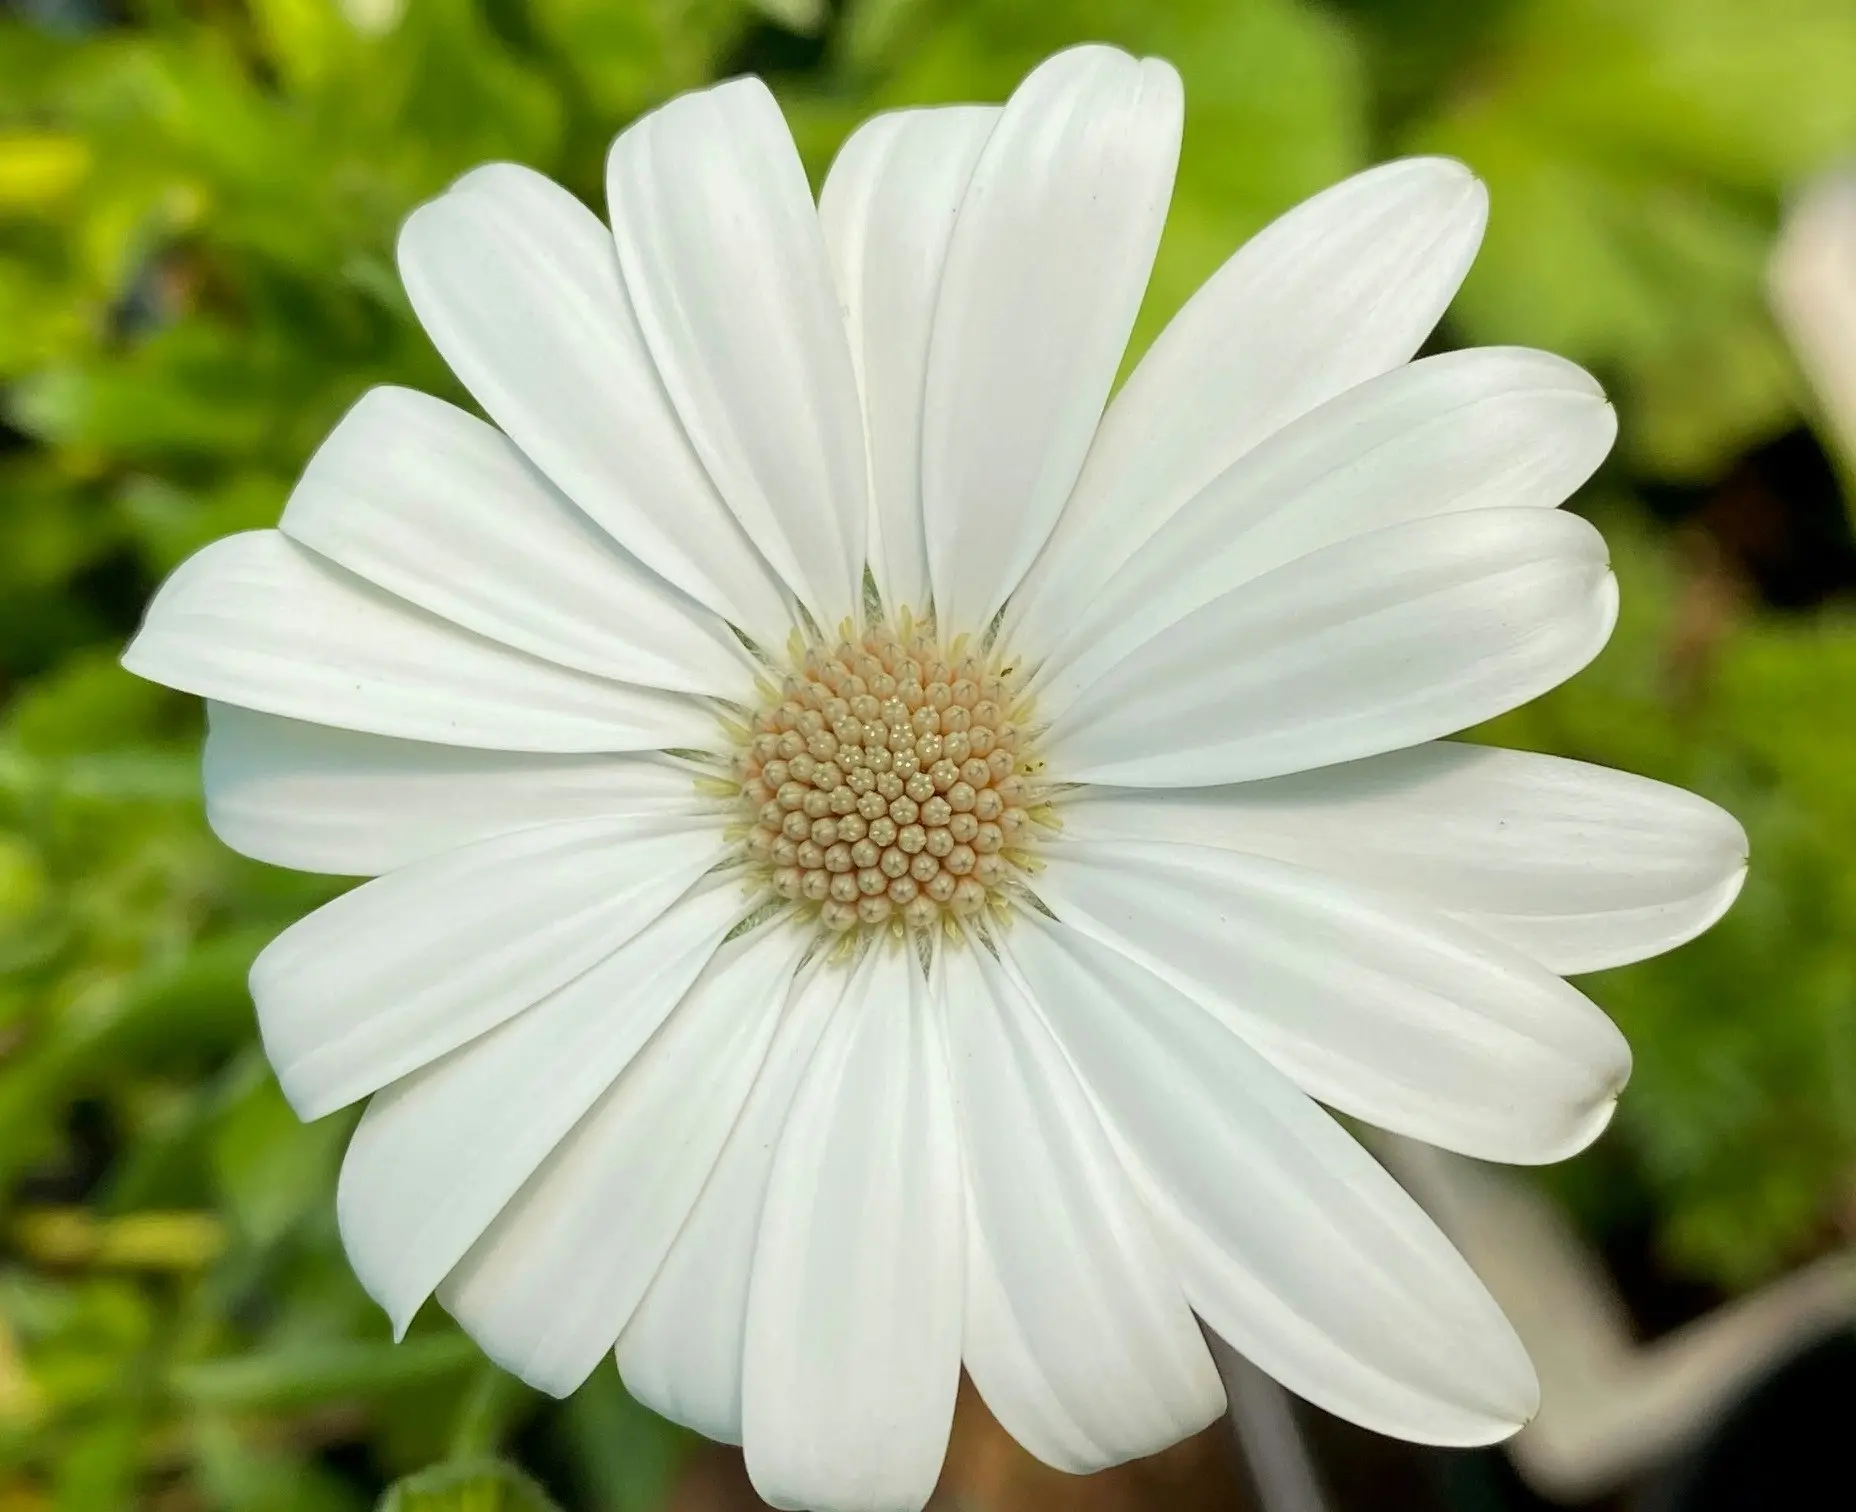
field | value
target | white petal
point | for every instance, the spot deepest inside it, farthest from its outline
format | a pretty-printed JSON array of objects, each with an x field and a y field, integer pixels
[
  {"x": 1497, "y": 427},
  {"x": 1342, "y": 288},
  {"x": 1292, "y": 1243},
  {"x": 1383, "y": 1009},
  {"x": 722, "y": 251},
  {"x": 426, "y": 502},
  {"x": 553, "y": 1280},
  {"x": 1077, "y": 1334},
  {"x": 323, "y": 800},
  {"x": 256, "y": 620},
  {"x": 1579, "y": 867},
  {"x": 1377, "y": 643},
  {"x": 681, "y": 1352},
  {"x": 853, "y": 1327},
  {"x": 439, "y": 1153},
  {"x": 1049, "y": 259},
  {"x": 392, "y": 975},
  {"x": 1812, "y": 282},
  {"x": 888, "y": 210},
  {"x": 518, "y": 286}
]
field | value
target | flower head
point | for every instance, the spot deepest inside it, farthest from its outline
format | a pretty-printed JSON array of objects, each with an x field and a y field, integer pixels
[{"x": 881, "y": 851}]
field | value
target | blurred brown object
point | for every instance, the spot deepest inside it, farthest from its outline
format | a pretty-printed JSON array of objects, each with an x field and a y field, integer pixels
[
  {"x": 714, "y": 1480},
  {"x": 987, "y": 1471},
  {"x": 1780, "y": 523},
  {"x": 1712, "y": 599}
]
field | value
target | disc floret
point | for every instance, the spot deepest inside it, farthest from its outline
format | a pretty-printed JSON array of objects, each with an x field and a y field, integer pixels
[{"x": 888, "y": 778}]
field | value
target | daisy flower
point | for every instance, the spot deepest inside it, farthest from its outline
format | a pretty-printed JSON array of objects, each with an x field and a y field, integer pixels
[{"x": 882, "y": 852}]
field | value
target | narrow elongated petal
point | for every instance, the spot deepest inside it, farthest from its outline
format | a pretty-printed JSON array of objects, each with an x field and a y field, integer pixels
[
  {"x": 420, "y": 499},
  {"x": 1292, "y": 1243},
  {"x": 1493, "y": 428},
  {"x": 1344, "y": 287},
  {"x": 854, "y": 1310},
  {"x": 681, "y": 1353},
  {"x": 438, "y": 1154},
  {"x": 323, "y": 800},
  {"x": 1045, "y": 272},
  {"x": 1385, "y": 1010},
  {"x": 554, "y": 1279},
  {"x": 1579, "y": 867},
  {"x": 391, "y": 976},
  {"x": 722, "y": 252},
  {"x": 518, "y": 286},
  {"x": 1078, "y": 1335},
  {"x": 1380, "y": 642},
  {"x": 256, "y": 620},
  {"x": 888, "y": 209}
]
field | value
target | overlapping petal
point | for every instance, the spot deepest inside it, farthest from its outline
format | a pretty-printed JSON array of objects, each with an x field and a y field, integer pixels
[
  {"x": 728, "y": 273},
  {"x": 1382, "y": 641},
  {"x": 1291, "y": 1242},
  {"x": 852, "y": 1350},
  {"x": 405, "y": 968},
  {"x": 1378, "y": 1007},
  {"x": 888, "y": 209},
  {"x": 1491, "y": 428},
  {"x": 442, "y": 510},
  {"x": 554, "y": 1279},
  {"x": 257, "y": 620},
  {"x": 1580, "y": 867},
  {"x": 319, "y": 799},
  {"x": 681, "y": 1353},
  {"x": 1077, "y": 1333},
  {"x": 1340, "y": 289},
  {"x": 1045, "y": 271},
  {"x": 438, "y": 1154},
  {"x": 518, "y": 285}
]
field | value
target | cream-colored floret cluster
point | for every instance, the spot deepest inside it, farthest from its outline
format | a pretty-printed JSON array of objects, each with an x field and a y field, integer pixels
[{"x": 888, "y": 779}]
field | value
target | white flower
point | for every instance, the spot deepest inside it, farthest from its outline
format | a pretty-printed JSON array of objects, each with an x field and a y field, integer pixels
[
  {"x": 1110, "y": 803},
  {"x": 1812, "y": 277}
]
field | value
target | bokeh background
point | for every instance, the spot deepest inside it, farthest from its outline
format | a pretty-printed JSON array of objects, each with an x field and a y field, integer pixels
[{"x": 198, "y": 200}]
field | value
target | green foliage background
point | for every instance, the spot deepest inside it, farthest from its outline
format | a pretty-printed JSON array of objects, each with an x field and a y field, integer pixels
[{"x": 198, "y": 200}]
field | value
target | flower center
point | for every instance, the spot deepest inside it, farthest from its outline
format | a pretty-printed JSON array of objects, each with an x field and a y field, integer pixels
[{"x": 886, "y": 780}]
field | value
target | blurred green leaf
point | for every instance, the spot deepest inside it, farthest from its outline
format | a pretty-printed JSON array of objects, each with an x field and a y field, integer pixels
[
  {"x": 625, "y": 58},
  {"x": 805, "y": 16},
  {"x": 96, "y": 1471},
  {"x": 190, "y": 1006},
  {"x": 271, "y": 1167},
  {"x": 242, "y": 1476},
  {"x": 1636, "y": 156},
  {"x": 307, "y": 1373},
  {"x": 467, "y": 1486},
  {"x": 625, "y": 1456},
  {"x": 306, "y": 40}
]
